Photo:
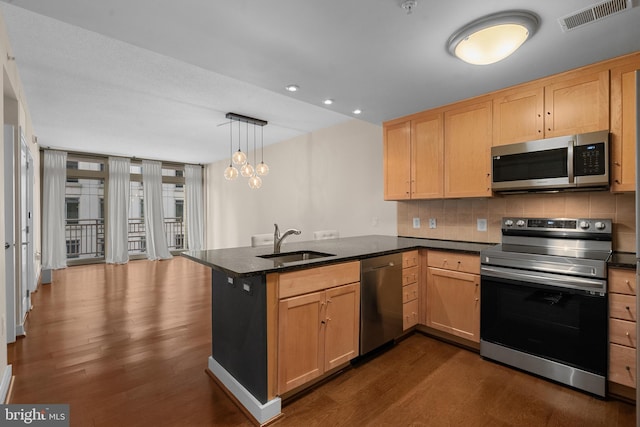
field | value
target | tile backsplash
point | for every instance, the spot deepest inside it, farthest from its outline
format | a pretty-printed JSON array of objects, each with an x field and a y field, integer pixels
[{"x": 457, "y": 219}]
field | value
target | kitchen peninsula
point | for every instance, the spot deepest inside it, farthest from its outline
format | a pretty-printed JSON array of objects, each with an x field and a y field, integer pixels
[{"x": 247, "y": 291}]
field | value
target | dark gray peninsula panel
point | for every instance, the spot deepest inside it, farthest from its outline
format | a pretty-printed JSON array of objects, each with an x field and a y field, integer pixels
[{"x": 239, "y": 329}]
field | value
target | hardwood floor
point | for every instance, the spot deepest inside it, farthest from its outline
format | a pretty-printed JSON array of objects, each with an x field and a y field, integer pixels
[{"x": 127, "y": 345}]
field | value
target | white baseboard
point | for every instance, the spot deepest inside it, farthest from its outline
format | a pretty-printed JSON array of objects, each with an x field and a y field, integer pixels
[
  {"x": 20, "y": 331},
  {"x": 262, "y": 412},
  {"x": 5, "y": 383}
]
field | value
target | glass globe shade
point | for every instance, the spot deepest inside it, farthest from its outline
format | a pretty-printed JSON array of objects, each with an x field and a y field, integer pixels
[
  {"x": 246, "y": 170},
  {"x": 262, "y": 169},
  {"x": 255, "y": 182},
  {"x": 230, "y": 173},
  {"x": 239, "y": 158},
  {"x": 491, "y": 44}
]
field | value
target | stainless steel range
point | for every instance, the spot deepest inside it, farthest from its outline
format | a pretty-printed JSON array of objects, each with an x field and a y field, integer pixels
[{"x": 544, "y": 299}]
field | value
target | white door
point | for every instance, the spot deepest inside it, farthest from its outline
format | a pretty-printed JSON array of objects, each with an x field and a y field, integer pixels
[
  {"x": 27, "y": 283},
  {"x": 9, "y": 231}
]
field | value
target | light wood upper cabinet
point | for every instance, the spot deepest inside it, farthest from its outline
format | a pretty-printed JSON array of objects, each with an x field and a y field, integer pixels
[
  {"x": 467, "y": 142},
  {"x": 413, "y": 158},
  {"x": 518, "y": 115},
  {"x": 427, "y": 146},
  {"x": 623, "y": 126},
  {"x": 570, "y": 105},
  {"x": 577, "y": 105},
  {"x": 397, "y": 161}
]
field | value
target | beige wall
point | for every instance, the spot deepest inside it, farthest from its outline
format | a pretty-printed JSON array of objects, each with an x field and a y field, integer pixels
[
  {"x": 328, "y": 179},
  {"x": 12, "y": 88},
  {"x": 456, "y": 219}
]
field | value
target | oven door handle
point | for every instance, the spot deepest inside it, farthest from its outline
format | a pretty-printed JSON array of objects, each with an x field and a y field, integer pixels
[{"x": 579, "y": 283}]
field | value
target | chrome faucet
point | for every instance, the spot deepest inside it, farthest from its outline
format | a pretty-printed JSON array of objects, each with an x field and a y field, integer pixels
[{"x": 277, "y": 239}]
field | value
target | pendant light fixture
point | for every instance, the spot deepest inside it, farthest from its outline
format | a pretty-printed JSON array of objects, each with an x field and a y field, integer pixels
[
  {"x": 242, "y": 159},
  {"x": 247, "y": 170},
  {"x": 255, "y": 181},
  {"x": 493, "y": 37},
  {"x": 239, "y": 158},
  {"x": 230, "y": 173},
  {"x": 262, "y": 169}
]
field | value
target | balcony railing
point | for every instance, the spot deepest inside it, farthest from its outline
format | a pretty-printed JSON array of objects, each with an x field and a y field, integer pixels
[{"x": 85, "y": 237}]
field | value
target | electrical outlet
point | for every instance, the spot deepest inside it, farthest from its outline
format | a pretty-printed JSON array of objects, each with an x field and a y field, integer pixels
[
  {"x": 416, "y": 222},
  {"x": 432, "y": 223},
  {"x": 482, "y": 224}
]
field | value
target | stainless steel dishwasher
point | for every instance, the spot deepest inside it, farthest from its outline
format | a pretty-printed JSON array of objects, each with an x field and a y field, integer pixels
[{"x": 380, "y": 301}]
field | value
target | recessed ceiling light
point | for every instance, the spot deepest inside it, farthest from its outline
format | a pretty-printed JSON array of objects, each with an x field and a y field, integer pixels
[
  {"x": 494, "y": 37},
  {"x": 357, "y": 111},
  {"x": 327, "y": 101},
  {"x": 292, "y": 88}
]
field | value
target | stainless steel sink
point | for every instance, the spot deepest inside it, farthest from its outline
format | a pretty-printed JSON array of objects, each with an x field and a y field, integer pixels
[{"x": 286, "y": 257}]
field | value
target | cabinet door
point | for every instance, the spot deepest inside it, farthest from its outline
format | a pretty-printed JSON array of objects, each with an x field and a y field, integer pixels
[
  {"x": 397, "y": 161},
  {"x": 301, "y": 332},
  {"x": 342, "y": 336},
  {"x": 427, "y": 145},
  {"x": 467, "y": 145},
  {"x": 623, "y": 127},
  {"x": 453, "y": 303},
  {"x": 577, "y": 105},
  {"x": 517, "y": 116}
]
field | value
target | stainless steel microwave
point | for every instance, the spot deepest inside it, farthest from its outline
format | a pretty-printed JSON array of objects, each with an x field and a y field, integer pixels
[{"x": 567, "y": 162}]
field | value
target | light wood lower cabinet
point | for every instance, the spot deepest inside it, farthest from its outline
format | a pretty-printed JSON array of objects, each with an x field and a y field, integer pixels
[
  {"x": 622, "y": 327},
  {"x": 453, "y": 294},
  {"x": 320, "y": 330}
]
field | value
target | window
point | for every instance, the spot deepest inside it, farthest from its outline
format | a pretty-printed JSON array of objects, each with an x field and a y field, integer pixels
[
  {"x": 85, "y": 206},
  {"x": 72, "y": 210},
  {"x": 179, "y": 241},
  {"x": 73, "y": 248},
  {"x": 84, "y": 230},
  {"x": 71, "y": 165},
  {"x": 179, "y": 208},
  {"x": 179, "y": 173}
]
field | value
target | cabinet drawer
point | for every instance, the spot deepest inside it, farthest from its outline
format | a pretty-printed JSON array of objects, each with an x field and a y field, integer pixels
[
  {"x": 622, "y": 332},
  {"x": 409, "y": 293},
  {"x": 410, "y": 275},
  {"x": 622, "y": 365},
  {"x": 622, "y": 307},
  {"x": 319, "y": 278},
  {"x": 622, "y": 281},
  {"x": 409, "y": 314},
  {"x": 409, "y": 259},
  {"x": 466, "y": 263}
]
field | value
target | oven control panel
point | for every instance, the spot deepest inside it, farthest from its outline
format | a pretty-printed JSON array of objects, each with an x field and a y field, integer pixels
[{"x": 591, "y": 225}]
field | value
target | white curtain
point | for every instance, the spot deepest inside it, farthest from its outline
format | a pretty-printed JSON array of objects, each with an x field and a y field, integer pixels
[
  {"x": 157, "y": 247},
  {"x": 54, "y": 244},
  {"x": 194, "y": 212},
  {"x": 117, "y": 247}
]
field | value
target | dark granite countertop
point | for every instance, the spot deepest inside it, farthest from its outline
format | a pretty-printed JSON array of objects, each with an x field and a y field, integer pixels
[
  {"x": 623, "y": 260},
  {"x": 245, "y": 261}
]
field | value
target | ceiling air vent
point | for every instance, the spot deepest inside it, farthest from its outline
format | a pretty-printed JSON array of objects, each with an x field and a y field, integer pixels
[{"x": 594, "y": 13}]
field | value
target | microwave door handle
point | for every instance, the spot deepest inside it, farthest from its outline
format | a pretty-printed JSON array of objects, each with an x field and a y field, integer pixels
[{"x": 570, "y": 162}]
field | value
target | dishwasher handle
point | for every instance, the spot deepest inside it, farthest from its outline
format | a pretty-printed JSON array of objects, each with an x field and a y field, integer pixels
[{"x": 371, "y": 268}]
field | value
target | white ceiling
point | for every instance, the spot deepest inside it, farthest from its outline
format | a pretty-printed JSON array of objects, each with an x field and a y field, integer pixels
[{"x": 155, "y": 79}]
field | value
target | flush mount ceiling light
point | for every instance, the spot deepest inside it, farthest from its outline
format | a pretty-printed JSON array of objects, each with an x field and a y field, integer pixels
[
  {"x": 493, "y": 37},
  {"x": 327, "y": 101},
  {"x": 292, "y": 88}
]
